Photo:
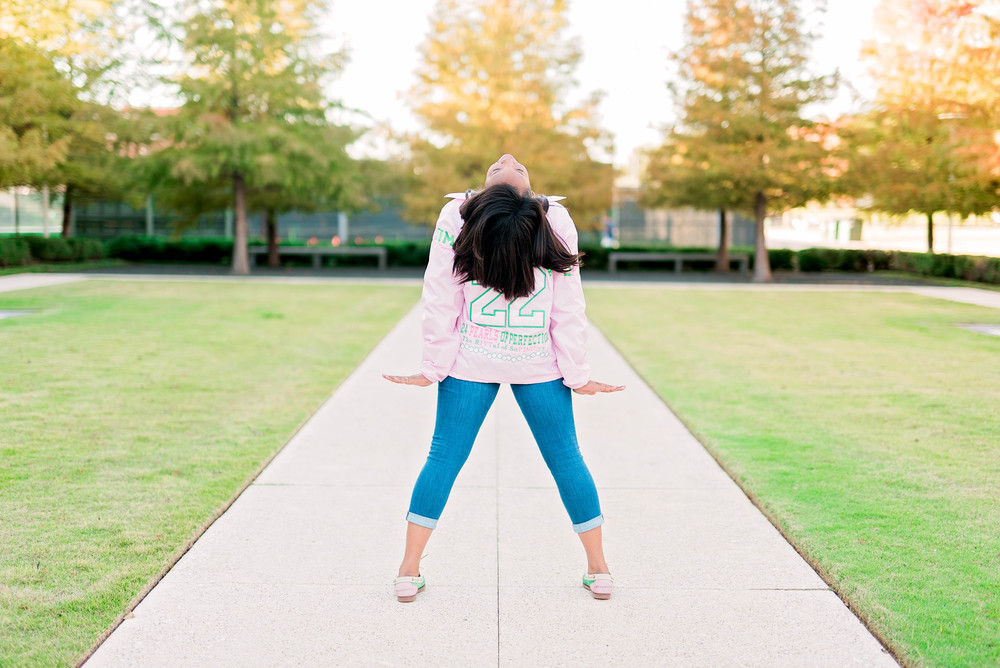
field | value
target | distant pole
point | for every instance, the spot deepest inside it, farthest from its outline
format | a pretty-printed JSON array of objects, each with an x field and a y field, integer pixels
[
  {"x": 17, "y": 212},
  {"x": 950, "y": 214},
  {"x": 45, "y": 211},
  {"x": 342, "y": 227},
  {"x": 150, "y": 213},
  {"x": 228, "y": 222}
]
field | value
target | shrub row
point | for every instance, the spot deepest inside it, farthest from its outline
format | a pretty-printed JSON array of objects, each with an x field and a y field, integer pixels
[
  {"x": 840, "y": 259},
  {"x": 22, "y": 250},
  {"x": 407, "y": 253},
  {"x": 220, "y": 251},
  {"x": 154, "y": 249},
  {"x": 596, "y": 256},
  {"x": 966, "y": 267},
  {"x": 14, "y": 252}
]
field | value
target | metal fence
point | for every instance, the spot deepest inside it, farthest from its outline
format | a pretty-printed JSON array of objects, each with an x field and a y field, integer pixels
[
  {"x": 675, "y": 227},
  {"x": 108, "y": 219},
  {"x": 103, "y": 219}
]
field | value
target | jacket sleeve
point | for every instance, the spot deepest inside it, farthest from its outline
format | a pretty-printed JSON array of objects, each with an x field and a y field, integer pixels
[
  {"x": 442, "y": 298},
  {"x": 569, "y": 319}
]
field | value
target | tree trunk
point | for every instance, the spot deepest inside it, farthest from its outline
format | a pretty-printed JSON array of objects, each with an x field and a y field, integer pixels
[
  {"x": 930, "y": 231},
  {"x": 241, "y": 262},
  {"x": 722, "y": 258},
  {"x": 67, "y": 207},
  {"x": 761, "y": 261},
  {"x": 271, "y": 232}
]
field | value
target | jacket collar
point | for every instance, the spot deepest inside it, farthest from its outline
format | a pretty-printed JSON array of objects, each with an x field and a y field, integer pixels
[{"x": 469, "y": 193}]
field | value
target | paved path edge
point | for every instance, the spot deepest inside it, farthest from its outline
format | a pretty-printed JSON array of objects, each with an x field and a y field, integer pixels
[{"x": 221, "y": 510}]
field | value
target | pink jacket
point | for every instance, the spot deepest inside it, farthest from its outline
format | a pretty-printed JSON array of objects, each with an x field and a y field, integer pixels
[{"x": 473, "y": 333}]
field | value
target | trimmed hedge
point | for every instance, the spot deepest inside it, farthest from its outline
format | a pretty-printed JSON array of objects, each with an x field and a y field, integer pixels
[
  {"x": 25, "y": 249},
  {"x": 781, "y": 258},
  {"x": 154, "y": 249},
  {"x": 843, "y": 259},
  {"x": 58, "y": 249},
  {"x": 14, "y": 252},
  {"x": 220, "y": 251},
  {"x": 406, "y": 253},
  {"x": 596, "y": 256},
  {"x": 976, "y": 268}
]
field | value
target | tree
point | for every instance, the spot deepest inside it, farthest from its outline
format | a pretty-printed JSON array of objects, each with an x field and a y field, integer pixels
[
  {"x": 911, "y": 159},
  {"x": 493, "y": 79},
  {"x": 927, "y": 144},
  {"x": 308, "y": 174},
  {"x": 671, "y": 180},
  {"x": 254, "y": 115},
  {"x": 54, "y": 58},
  {"x": 63, "y": 26},
  {"x": 97, "y": 163},
  {"x": 742, "y": 141},
  {"x": 37, "y": 101},
  {"x": 78, "y": 36}
]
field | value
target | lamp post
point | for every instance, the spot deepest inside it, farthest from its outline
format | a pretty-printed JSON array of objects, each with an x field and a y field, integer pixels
[{"x": 951, "y": 168}]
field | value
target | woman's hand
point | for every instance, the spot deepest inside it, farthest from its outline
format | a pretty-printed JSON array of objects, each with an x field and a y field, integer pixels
[
  {"x": 593, "y": 387},
  {"x": 417, "y": 379}
]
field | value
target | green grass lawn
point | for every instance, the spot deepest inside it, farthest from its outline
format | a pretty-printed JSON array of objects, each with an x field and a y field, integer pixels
[
  {"x": 58, "y": 267},
  {"x": 866, "y": 424},
  {"x": 130, "y": 412}
]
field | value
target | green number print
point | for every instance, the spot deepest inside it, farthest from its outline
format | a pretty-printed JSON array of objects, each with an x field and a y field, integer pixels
[
  {"x": 486, "y": 312},
  {"x": 521, "y": 317},
  {"x": 483, "y": 312}
]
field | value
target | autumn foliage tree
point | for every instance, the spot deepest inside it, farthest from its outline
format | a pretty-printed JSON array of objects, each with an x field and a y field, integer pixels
[
  {"x": 928, "y": 143},
  {"x": 742, "y": 141},
  {"x": 494, "y": 79}
]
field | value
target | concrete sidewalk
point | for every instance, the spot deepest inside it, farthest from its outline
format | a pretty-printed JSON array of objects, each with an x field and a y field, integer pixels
[
  {"x": 298, "y": 571},
  {"x": 27, "y": 281}
]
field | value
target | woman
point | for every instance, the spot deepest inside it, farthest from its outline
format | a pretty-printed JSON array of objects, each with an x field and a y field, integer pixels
[{"x": 503, "y": 303}]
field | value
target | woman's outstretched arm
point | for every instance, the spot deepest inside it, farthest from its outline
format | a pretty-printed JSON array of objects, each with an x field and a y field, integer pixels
[
  {"x": 569, "y": 318},
  {"x": 442, "y": 301}
]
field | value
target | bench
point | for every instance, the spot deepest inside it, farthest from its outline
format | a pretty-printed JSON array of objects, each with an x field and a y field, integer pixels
[
  {"x": 678, "y": 259},
  {"x": 318, "y": 252}
]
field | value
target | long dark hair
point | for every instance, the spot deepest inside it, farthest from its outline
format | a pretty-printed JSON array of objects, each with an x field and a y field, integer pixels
[{"x": 505, "y": 236}]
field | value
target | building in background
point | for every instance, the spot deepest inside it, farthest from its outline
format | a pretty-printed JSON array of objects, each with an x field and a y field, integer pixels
[
  {"x": 22, "y": 211},
  {"x": 673, "y": 227}
]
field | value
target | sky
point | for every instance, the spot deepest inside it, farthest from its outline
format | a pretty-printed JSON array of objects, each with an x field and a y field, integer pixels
[{"x": 625, "y": 45}]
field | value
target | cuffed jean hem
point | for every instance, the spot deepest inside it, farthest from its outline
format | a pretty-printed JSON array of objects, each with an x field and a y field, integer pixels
[
  {"x": 421, "y": 521},
  {"x": 589, "y": 524}
]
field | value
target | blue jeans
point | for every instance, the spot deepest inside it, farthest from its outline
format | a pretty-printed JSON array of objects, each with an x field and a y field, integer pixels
[{"x": 461, "y": 408}]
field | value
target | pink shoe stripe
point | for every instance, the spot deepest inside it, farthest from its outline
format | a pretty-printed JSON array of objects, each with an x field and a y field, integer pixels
[
  {"x": 602, "y": 586},
  {"x": 406, "y": 589}
]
